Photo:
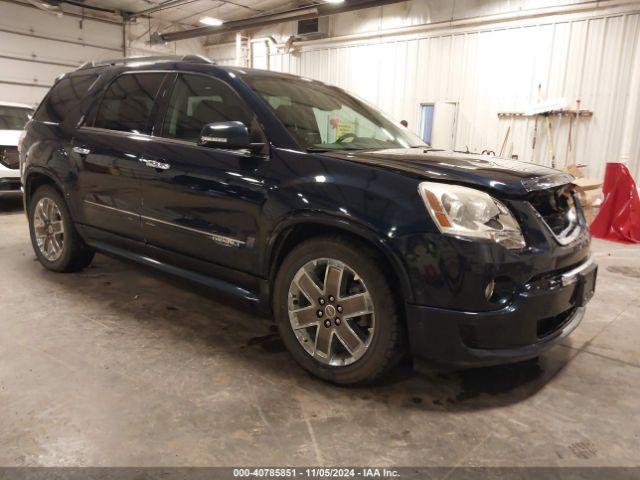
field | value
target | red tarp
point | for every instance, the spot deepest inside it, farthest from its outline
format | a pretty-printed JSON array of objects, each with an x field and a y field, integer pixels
[{"x": 619, "y": 216}]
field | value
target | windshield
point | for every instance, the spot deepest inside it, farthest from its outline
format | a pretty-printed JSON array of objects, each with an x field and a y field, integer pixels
[
  {"x": 13, "y": 118},
  {"x": 321, "y": 117}
]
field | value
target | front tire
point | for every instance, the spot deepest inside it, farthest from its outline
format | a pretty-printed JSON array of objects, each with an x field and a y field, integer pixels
[
  {"x": 55, "y": 240},
  {"x": 336, "y": 312}
]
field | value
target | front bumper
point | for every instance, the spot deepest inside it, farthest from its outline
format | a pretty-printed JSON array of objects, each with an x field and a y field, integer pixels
[
  {"x": 543, "y": 312},
  {"x": 10, "y": 182},
  {"x": 10, "y": 185}
]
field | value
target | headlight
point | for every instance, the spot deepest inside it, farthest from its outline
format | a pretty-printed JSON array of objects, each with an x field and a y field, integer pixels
[{"x": 468, "y": 212}]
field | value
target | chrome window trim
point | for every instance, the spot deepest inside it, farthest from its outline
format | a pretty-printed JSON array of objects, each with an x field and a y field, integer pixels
[
  {"x": 176, "y": 141},
  {"x": 144, "y": 136},
  {"x": 119, "y": 133}
]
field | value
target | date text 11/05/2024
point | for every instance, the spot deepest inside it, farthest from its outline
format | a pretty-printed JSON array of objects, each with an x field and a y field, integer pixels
[{"x": 316, "y": 472}]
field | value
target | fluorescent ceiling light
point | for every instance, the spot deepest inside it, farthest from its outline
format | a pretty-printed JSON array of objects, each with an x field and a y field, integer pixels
[
  {"x": 212, "y": 22},
  {"x": 334, "y": 1}
]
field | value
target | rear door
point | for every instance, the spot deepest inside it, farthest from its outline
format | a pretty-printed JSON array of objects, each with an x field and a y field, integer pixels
[
  {"x": 109, "y": 150},
  {"x": 205, "y": 202}
]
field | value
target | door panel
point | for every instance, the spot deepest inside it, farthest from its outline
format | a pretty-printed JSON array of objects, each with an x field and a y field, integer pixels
[
  {"x": 206, "y": 205},
  {"x": 207, "y": 202},
  {"x": 109, "y": 153},
  {"x": 108, "y": 180}
]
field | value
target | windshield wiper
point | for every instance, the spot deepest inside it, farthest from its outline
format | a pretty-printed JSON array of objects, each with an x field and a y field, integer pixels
[{"x": 322, "y": 150}]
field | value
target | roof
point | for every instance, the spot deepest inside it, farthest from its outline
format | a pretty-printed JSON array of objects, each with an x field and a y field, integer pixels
[
  {"x": 162, "y": 61},
  {"x": 144, "y": 60},
  {"x": 17, "y": 105}
]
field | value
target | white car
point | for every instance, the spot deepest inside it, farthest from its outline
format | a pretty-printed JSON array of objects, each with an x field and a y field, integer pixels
[{"x": 13, "y": 118}]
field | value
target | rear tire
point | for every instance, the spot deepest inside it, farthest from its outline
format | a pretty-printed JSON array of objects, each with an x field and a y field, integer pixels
[
  {"x": 54, "y": 237},
  {"x": 348, "y": 281}
]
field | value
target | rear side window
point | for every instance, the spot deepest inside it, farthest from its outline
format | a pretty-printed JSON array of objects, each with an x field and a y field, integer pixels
[
  {"x": 64, "y": 95},
  {"x": 128, "y": 102},
  {"x": 197, "y": 100}
]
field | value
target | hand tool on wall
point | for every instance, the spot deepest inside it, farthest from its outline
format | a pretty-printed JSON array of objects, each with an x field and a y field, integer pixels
[
  {"x": 569, "y": 152},
  {"x": 573, "y": 136},
  {"x": 547, "y": 117},
  {"x": 549, "y": 109},
  {"x": 535, "y": 128},
  {"x": 504, "y": 142}
]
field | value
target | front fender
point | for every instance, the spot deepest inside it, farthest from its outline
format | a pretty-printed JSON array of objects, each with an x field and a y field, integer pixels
[
  {"x": 335, "y": 225},
  {"x": 332, "y": 195}
]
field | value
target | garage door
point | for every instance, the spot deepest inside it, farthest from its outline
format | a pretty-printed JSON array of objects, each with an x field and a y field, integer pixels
[{"x": 37, "y": 46}]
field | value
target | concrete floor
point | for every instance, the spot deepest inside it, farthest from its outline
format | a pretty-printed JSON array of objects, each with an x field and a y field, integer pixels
[{"x": 120, "y": 366}]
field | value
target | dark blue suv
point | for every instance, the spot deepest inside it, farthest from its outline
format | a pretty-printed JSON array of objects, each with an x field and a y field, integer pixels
[{"x": 363, "y": 242}]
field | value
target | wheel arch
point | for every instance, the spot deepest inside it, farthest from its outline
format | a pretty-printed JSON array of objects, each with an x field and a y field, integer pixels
[
  {"x": 34, "y": 179},
  {"x": 293, "y": 231}
]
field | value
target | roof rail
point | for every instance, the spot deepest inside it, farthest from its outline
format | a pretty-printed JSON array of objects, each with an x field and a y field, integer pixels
[{"x": 147, "y": 59}]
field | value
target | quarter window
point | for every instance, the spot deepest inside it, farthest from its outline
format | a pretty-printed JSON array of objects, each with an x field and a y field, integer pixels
[
  {"x": 197, "y": 100},
  {"x": 128, "y": 102},
  {"x": 64, "y": 95}
]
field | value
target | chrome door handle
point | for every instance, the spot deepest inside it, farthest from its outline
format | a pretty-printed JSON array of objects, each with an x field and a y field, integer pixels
[
  {"x": 81, "y": 150},
  {"x": 155, "y": 164}
]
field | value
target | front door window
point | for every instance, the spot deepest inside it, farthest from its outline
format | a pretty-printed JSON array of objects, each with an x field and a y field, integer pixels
[{"x": 197, "y": 100}]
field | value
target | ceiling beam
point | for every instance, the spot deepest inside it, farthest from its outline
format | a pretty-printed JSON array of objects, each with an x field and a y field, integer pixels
[
  {"x": 303, "y": 13},
  {"x": 161, "y": 6},
  {"x": 25, "y": 3}
]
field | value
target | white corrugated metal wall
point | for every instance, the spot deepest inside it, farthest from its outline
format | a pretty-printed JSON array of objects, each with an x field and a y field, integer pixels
[
  {"x": 37, "y": 46},
  {"x": 496, "y": 66}
]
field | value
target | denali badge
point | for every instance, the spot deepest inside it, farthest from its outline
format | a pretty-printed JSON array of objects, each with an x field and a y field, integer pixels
[{"x": 226, "y": 241}]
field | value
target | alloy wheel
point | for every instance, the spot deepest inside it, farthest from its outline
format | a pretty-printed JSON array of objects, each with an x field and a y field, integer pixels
[
  {"x": 49, "y": 229},
  {"x": 331, "y": 312}
]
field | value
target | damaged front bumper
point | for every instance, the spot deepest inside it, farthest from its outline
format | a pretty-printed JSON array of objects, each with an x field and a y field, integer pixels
[{"x": 541, "y": 314}]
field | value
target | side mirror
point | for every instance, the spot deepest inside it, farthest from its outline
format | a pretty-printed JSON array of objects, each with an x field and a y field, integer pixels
[{"x": 229, "y": 135}]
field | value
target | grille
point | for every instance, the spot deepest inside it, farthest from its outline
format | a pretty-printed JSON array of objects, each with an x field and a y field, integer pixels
[
  {"x": 547, "y": 326},
  {"x": 557, "y": 208},
  {"x": 9, "y": 157}
]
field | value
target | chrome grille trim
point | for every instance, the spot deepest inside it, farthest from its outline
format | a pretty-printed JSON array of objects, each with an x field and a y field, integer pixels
[
  {"x": 546, "y": 181},
  {"x": 569, "y": 234},
  {"x": 571, "y": 277},
  {"x": 9, "y": 157}
]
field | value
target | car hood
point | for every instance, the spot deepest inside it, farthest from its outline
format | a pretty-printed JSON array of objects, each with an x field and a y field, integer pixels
[
  {"x": 510, "y": 177},
  {"x": 9, "y": 138}
]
